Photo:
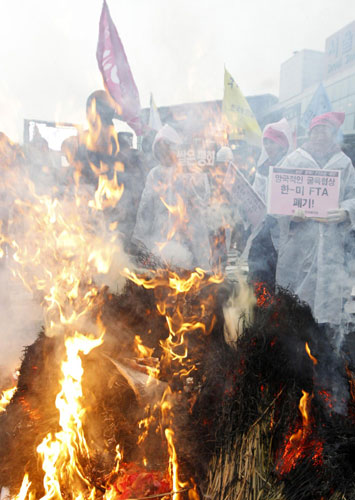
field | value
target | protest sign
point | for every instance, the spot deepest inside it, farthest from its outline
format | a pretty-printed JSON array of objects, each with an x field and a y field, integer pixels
[
  {"x": 313, "y": 191},
  {"x": 243, "y": 196}
]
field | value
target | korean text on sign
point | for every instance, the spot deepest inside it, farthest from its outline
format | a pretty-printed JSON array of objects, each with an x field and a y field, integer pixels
[
  {"x": 188, "y": 157},
  {"x": 313, "y": 191}
]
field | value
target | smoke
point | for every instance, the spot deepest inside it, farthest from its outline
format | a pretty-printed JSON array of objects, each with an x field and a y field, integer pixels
[
  {"x": 58, "y": 255},
  {"x": 21, "y": 318},
  {"x": 329, "y": 372},
  {"x": 176, "y": 255},
  {"x": 238, "y": 311}
]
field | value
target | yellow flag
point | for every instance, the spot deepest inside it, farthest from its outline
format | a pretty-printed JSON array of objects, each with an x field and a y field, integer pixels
[{"x": 241, "y": 122}]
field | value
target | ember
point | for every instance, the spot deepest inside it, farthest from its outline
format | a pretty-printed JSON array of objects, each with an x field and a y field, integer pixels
[
  {"x": 301, "y": 444},
  {"x": 135, "y": 482}
]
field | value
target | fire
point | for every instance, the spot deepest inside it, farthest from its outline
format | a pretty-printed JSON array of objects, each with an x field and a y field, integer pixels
[
  {"x": 59, "y": 255},
  {"x": 294, "y": 447},
  {"x": 141, "y": 350},
  {"x": 171, "y": 306},
  {"x": 327, "y": 398},
  {"x": 173, "y": 465},
  {"x": 58, "y": 249},
  {"x": 145, "y": 424},
  {"x": 108, "y": 193},
  {"x": 179, "y": 215},
  {"x": 6, "y": 397},
  {"x": 145, "y": 358},
  {"x": 10, "y": 153},
  {"x": 304, "y": 408},
  {"x": 263, "y": 296},
  {"x": 61, "y": 453},
  {"x": 134, "y": 482},
  {"x": 301, "y": 443},
  {"x": 167, "y": 421},
  {"x": 308, "y": 350},
  {"x": 172, "y": 292},
  {"x": 22, "y": 495},
  {"x": 100, "y": 137},
  {"x": 32, "y": 413}
]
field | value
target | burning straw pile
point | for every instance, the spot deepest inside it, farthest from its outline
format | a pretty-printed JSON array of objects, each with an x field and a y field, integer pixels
[
  {"x": 271, "y": 417},
  {"x": 133, "y": 383},
  {"x": 284, "y": 428}
]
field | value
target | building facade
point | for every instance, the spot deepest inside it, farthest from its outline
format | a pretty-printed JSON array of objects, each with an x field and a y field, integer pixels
[{"x": 301, "y": 75}]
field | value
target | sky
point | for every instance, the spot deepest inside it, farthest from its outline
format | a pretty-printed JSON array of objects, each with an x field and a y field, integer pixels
[{"x": 177, "y": 49}]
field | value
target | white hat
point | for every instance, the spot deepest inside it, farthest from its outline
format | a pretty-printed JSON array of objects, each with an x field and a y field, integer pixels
[
  {"x": 224, "y": 154},
  {"x": 167, "y": 133},
  {"x": 281, "y": 126}
]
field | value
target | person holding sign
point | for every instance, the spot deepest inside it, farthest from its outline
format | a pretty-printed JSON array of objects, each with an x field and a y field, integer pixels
[
  {"x": 276, "y": 144},
  {"x": 311, "y": 247}
]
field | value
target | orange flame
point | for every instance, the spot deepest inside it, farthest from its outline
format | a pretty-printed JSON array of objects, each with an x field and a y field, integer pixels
[
  {"x": 26, "y": 483},
  {"x": 60, "y": 453},
  {"x": 141, "y": 350},
  {"x": 6, "y": 397},
  {"x": 54, "y": 251},
  {"x": 100, "y": 138},
  {"x": 57, "y": 254},
  {"x": 308, "y": 350},
  {"x": 171, "y": 292},
  {"x": 179, "y": 215},
  {"x": 108, "y": 193},
  {"x": 301, "y": 443},
  {"x": 173, "y": 465}
]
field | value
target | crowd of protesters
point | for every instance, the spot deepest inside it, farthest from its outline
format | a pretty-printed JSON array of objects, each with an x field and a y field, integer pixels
[
  {"x": 186, "y": 218},
  {"x": 308, "y": 254}
]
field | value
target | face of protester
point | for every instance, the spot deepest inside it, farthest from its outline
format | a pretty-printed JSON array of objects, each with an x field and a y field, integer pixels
[
  {"x": 274, "y": 150},
  {"x": 322, "y": 135},
  {"x": 166, "y": 153},
  {"x": 125, "y": 143},
  {"x": 219, "y": 172}
]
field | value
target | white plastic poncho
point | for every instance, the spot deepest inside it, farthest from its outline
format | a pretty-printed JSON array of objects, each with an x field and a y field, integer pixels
[
  {"x": 180, "y": 240},
  {"x": 311, "y": 254},
  {"x": 261, "y": 182}
]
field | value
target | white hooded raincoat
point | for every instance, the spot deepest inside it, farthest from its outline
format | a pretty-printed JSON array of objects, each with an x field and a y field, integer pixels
[{"x": 311, "y": 254}]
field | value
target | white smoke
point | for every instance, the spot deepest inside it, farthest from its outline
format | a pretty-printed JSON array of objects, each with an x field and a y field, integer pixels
[{"x": 21, "y": 319}]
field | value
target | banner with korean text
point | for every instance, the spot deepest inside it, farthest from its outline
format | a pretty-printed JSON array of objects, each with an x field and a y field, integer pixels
[
  {"x": 198, "y": 153},
  {"x": 313, "y": 191}
]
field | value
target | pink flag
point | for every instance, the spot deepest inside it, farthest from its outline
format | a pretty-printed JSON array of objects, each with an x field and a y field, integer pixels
[{"x": 116, "y": 72}]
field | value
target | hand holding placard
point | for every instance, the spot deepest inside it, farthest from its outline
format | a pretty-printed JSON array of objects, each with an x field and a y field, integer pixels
[{"x": 335, "y": 216}]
